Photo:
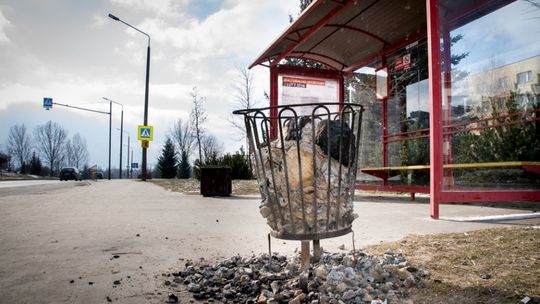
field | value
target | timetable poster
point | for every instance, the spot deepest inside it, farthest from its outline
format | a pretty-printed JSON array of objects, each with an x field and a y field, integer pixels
[{"x": 305, "y": 90}]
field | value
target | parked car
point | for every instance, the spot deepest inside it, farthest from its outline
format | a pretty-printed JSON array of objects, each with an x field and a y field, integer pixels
[{"x": 70, "y": 173}]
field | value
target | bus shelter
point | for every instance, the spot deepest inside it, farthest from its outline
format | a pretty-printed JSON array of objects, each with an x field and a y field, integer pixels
[{"x": 451, "y": 90}]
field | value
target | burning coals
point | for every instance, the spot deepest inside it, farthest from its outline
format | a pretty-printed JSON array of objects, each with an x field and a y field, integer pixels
[
  {"x": 307, "y": 177},
  {"x": 339, "y": 278}
]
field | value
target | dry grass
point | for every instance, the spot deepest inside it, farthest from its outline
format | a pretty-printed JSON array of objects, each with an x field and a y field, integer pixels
[
  {"x": 499, "y": 265},
  {"x": 192, "y": 186}
]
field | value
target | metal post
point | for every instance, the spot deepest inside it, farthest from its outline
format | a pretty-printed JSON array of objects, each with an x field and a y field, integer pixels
[
  {"x": 121, "y": 137},
  {"x": 435, "y": 116},
  {"x": 146, "y": 107},
  {"x": 127, "y": 163},
  {"x": 304, "y": 266},
  {"x": 304, "y": 256},
  {"x": 143, "y": 175},
  {"x": 110, "y": 126},
  {"x": 317, "y": 252},
  {"x": 130, "y": 167}
]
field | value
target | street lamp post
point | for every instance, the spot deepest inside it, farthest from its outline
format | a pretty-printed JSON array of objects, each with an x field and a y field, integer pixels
[
  {"x": 95, "y": 111},
  {"x": 110, "y": 124},
  {"x": 129, "y": 147},
  {"x": 121, "y": 133},
  {"x": 143, "y": 177}
]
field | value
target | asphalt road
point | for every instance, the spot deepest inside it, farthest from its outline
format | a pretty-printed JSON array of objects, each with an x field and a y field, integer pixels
[
  {"x": 70, "y": 244},
  {"x": 26, "y": 187}
]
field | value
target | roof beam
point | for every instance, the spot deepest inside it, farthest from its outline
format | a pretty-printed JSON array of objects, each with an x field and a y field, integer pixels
[
  {"x": 317, "y": 26},
  {"x": 386, "y": 50},
  {"x": 352, "y": 28},
  {"x": 301, "y": 56}
]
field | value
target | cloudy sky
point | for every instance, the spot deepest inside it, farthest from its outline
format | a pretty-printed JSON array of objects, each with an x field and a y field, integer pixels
[{"x": 71, "y": 51}]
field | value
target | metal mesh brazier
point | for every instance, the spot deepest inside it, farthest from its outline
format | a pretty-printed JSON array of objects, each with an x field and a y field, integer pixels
[{"x": 305, "y": 157}]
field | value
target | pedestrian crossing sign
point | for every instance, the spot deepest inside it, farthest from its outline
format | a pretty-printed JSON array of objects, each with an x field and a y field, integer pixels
[
  {"x": 145, "y": 133},
  {"x": 47, "y": 103}
]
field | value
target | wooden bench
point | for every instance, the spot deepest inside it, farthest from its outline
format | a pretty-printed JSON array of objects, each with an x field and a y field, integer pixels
[{"x": 385, "y": 173}]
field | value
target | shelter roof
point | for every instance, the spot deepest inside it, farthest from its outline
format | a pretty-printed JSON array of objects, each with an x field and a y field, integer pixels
[{"x": 348, "y": 34}]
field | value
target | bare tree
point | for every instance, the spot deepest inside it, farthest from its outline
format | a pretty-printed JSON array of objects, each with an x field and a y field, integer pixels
[
  {"x": 243, "y": 99},
  {"x": 211, "y": 147},
  {"x": 182, "y": 135},
  {"x": 19, "y": 145},
  {"x": 198, "y": 118},
  {"x": 77, "y": 151},
  {"x": 51, "y": 141}
]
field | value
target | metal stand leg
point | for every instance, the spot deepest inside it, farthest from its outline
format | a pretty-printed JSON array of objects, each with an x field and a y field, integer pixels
[
  {"x": 317, "y": 251},
  {"x": 269, "y": 248},
  {"x": 304, "y": 267},
  {"x": 304, "y": 256}
]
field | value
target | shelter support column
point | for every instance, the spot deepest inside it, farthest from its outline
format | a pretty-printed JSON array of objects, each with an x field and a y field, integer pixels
[{"x": 435, "y": 104}]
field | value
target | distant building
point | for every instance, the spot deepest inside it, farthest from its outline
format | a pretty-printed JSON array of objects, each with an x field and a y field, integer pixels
[{"x": 487, "y": 91}]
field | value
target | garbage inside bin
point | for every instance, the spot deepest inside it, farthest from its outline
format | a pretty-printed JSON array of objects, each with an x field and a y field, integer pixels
[{"x": 306, "y": 167}]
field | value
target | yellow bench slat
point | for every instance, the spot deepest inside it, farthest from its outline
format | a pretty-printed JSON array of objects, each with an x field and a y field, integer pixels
[{"x": 458, "y": 166}]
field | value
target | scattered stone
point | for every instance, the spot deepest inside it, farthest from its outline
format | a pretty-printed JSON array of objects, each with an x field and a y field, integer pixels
[
  {"x": 348, "y": 295},
  {"x": 274, "y": 279},
  {"x": 72, "y": 281},
  {"x": 172, "y": 298},
  {"x": 117, "y": 282},
  {"x": 137, "y": 235},
  {"x": 116, "y": 256},
  {"x": 298, "y": 299},
  {"x": 90, "y": 283},
  {"x": 341, "y": 247},
  {"x": 334, "y": 277},
  {"x": 486, "y": 276},
  {"x": 108, "y": 299},
  {"x": 410, "y": 282}
]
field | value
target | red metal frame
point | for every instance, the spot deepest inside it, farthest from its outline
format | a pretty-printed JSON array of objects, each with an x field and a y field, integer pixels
[
  {"x": 451, "y": 132},
  {"x": 435, "y": 106},
  {"x": 438, "y": 194}
]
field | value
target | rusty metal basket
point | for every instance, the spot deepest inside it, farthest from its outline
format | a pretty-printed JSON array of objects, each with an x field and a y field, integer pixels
[{"x": 305, "y": 157}]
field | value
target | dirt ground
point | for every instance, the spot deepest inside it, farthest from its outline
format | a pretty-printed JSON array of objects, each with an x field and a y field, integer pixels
[{"x": 500, "y": 265}]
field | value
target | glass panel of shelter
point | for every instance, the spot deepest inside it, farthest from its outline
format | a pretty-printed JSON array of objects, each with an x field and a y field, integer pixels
[
  {"x": 407, "y": 113},
  {"x": 491, "y": 96},
  {"x": 360, "y": 87}
]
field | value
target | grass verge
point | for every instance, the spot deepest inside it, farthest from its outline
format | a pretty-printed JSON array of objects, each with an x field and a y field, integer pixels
[{"x": 500, "y": 265}]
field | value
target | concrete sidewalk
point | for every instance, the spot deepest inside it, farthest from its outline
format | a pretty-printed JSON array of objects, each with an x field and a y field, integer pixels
[{"x": 71, "y": 245}]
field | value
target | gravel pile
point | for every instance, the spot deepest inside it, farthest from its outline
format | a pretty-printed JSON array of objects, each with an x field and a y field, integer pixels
[{"x": 353, "y": 277}]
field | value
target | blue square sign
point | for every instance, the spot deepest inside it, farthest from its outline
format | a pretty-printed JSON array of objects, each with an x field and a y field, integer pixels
[{"x": 47, "y": 103}]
